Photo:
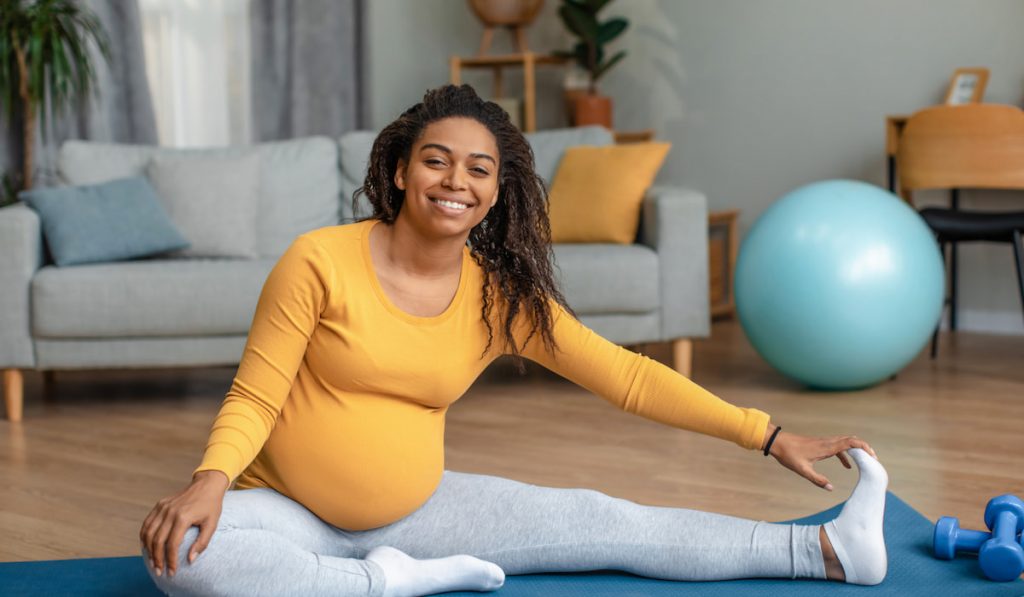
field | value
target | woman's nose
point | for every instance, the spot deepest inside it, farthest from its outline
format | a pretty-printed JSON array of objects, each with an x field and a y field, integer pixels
[{"x": 455, "y": 179}]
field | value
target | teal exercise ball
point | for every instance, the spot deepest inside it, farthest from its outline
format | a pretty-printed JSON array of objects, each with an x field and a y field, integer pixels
[{"x": 839, "y": 284}]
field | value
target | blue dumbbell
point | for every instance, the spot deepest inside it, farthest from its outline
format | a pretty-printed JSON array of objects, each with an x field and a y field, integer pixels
[
  {"x": 949, "y": 538},
  {"x": 1000, "y": 553},
  {"x": 1002, "y": 556}
]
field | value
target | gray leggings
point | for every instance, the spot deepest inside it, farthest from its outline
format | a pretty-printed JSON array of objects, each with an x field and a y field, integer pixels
[{"x": 268, "y": 544}]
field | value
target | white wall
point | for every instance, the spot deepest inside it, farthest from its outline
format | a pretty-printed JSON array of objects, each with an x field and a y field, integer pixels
[{"x": 757, "y": 97}]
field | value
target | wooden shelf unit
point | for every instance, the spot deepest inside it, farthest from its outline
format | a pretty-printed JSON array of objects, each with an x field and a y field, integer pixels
[{"x": 527, "y": 60}]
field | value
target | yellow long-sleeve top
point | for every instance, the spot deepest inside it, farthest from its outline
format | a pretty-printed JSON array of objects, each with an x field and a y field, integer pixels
[{"x": 339, "y": 401}]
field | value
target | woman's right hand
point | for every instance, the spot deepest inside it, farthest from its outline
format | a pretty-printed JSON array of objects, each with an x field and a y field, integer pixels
[
  {"x": 199, "y": 504},
  {"x": 799, "y": 453}
]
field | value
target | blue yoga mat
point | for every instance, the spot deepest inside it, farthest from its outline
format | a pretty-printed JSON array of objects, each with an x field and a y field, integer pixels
[{"x": 912, "y": 571}]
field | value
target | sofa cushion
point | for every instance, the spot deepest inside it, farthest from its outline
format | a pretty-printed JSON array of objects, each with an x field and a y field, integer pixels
[
  {"x": 200, "y": 297},
  {"x": 548, "y": 147},
  {"x": 120, "y": 219},
  {"x": 598, "y": 191},
  {"x": 206, "y": 297},
  {"x": 299, "y": 180},
  {"x": 213, "y": 200},
  {"x": 604, "y": 278}
]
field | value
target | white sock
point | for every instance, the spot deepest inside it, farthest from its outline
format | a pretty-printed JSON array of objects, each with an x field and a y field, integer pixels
[
  {"x": 405, "y": 576},
  {"x": 856, "y": 534}
]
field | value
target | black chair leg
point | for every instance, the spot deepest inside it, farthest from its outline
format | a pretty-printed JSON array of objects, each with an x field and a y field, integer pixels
[
  {"x": 954, "y": 204},
  {"x": 952, "y": 285},
  {"x": 935, "y": 334},
  {"x": 1018, "y": 256}
]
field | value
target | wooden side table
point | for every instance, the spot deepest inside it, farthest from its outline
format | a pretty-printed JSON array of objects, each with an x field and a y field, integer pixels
[
  {"x": 723, "y": 246},
  {"x": 893, "y": 129},
  {"x": 526, "y": 60},
  {"x": 641, "y": 136}
]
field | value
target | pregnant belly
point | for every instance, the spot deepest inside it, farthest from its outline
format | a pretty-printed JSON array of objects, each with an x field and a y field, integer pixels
[{"x": 358, "y": 465}]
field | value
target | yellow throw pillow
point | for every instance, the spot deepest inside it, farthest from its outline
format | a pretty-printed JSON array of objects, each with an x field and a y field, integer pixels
[{"x": 598, "y": 191}]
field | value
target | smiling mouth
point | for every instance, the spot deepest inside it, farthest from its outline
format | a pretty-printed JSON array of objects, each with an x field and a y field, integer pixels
[{"x": 452, "y": 205}]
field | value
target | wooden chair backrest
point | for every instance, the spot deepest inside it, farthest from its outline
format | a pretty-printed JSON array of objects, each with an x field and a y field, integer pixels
[{"x": 966, "y": 146}]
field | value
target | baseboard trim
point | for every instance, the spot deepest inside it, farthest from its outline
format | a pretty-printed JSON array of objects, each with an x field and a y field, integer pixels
[{"x": 1009, "y": 323}]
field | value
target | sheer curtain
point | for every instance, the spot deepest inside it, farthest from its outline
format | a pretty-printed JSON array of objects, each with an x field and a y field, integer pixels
[
  {"x": 308, "y": 65},
  {"x": 198, "y": 65}
]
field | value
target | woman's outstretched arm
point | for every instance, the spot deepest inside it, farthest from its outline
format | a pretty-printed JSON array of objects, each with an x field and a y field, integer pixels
[{"x": 640, "y": 385}]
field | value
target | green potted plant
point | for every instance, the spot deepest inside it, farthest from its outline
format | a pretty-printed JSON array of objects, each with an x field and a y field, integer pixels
[
  {"x": 10, "y": 184},
  {"x": 580, "y": 18},
  {"x": 44, "y": 52}
]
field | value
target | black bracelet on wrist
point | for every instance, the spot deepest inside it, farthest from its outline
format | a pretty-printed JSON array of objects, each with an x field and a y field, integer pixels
[{"x": 771, "y": 440}]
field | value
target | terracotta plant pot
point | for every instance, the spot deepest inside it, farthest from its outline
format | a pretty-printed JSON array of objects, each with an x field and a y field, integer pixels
[
  {"x": 593, "y": 109},
  {"x": 570, "y": 96}
]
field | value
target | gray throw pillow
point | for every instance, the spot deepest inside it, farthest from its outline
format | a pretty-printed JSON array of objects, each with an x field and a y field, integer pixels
[
  {"x": 213, "y": 201},
  {"x": 116, "y": 220}
]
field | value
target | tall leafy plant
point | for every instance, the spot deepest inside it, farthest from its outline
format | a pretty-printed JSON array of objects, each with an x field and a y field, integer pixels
[
  {"x": 44, "y": 52},
  {"x": 580, "y": 18}
]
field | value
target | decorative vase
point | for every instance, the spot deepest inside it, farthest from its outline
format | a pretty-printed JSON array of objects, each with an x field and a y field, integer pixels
[
  {"x": 593, "y": 109},
  {"x": 512, "y": 14},
  {"x": 506, "y": 13}
]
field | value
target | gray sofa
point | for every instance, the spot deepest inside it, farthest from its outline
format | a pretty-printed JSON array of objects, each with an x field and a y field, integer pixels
[{"x": 174, "y": 312}]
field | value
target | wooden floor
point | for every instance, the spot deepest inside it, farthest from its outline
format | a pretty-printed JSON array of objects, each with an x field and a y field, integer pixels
[{"x": 95, "y": 453}]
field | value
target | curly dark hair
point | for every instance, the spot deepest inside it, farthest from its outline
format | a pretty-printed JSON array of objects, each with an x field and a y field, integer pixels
[{"x": 513, "y": 243}]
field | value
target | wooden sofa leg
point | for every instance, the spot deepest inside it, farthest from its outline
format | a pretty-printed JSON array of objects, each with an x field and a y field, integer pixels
[
  {"x": 682, "y": 355},
  {"x": 13, "y": 394}
]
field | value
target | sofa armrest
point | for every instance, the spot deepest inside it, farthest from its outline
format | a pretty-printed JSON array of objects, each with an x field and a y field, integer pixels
[
  {"x": 21, "y": 255},
  {"x": 674, "y": 222}
]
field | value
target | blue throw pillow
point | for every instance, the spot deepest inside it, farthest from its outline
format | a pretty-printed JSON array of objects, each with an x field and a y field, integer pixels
[{"x": 116, "y": 220}]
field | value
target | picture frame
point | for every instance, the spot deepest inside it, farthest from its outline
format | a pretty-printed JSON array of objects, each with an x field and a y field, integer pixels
[{"x": 967, "y": 86}]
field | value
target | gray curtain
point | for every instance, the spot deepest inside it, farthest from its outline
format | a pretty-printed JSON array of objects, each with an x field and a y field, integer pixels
[
  {"x": 307, "y": 74},
  {"x": 119, "y": 109}
]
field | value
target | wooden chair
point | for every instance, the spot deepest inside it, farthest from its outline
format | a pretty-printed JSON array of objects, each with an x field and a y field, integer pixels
[{"x": 968, "y": 146}]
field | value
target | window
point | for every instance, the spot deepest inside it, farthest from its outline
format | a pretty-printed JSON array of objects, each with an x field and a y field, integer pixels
[{"x": 197, "y": 63}]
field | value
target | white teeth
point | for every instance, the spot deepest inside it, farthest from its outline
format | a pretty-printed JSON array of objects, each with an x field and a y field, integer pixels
[{"x": 450, "y": 204}]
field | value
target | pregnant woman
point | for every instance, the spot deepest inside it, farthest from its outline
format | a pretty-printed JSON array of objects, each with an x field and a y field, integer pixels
[{"x": 324, "y": 471}]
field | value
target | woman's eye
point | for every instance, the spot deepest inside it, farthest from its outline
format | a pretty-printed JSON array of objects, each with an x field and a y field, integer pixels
[{"x": 437, "y": 162}]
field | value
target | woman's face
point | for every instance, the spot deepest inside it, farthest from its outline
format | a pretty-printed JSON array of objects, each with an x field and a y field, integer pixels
[{"x": 451, "y": 179}]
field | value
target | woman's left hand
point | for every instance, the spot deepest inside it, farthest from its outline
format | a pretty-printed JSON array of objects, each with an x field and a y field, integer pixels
[{"x": 798, "y": 453}]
